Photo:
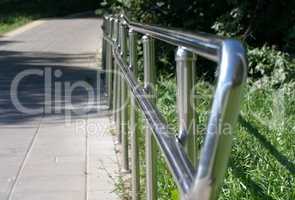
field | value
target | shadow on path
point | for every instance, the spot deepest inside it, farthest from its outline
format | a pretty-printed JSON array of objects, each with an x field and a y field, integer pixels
[{"x": 51, "y": 98}]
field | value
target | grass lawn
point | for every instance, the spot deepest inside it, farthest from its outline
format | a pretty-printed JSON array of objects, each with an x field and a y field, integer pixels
[
  {"x": 13, "y": 22},
  {"x": 15, "y": 13},
  {"x": 262, "y": 161}
]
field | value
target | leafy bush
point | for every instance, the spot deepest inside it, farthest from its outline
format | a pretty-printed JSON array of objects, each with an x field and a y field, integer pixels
[
  {"x": 256, "y": 22},
  {"x": 269, "y": 66},
  {"x": 260, "y": 24}
]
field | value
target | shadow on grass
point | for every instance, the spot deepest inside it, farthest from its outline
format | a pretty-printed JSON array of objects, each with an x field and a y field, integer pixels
[
  {"x": 251, "y": 185},
  {"x": 270, "y": 147}
]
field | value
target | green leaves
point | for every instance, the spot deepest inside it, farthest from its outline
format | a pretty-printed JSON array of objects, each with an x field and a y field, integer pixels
[{"x": 270, "y": 66}]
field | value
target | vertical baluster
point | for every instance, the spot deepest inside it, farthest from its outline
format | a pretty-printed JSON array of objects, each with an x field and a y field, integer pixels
[
  {"x": 115, "y": 80},
  {"x": 117, "y": 85},
  {"x": 224, "y": 113},
  {"x": 151, "y": 148},
  {"x": 102, "y": 74},
  {"x": 112, "y": 35},
  {"x": 133, "y": 117},
  {"x": 124, "y": 99},
  {"x": 109, "y": 63},
  {"x": 103, "y": 53},
  {"x": 185, "y": 67}
]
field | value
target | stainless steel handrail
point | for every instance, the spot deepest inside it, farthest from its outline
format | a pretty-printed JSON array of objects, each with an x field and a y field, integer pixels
[
  {"x": 172, "y": 148},
  {"x": 230, "y": 56},
  {"x": 204, "y": 44}
]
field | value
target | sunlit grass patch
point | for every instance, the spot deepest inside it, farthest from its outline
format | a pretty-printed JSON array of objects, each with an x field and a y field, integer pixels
[
  {"x": 10, "y": 23},
  {"x": 262, "y": 163}
]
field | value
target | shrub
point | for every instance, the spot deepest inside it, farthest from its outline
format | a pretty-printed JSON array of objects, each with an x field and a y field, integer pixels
[{"x": 270, "y": 66}]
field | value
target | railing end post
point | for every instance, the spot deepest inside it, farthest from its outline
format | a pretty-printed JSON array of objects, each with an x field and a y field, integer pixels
[{"x": 233, "y": 61}]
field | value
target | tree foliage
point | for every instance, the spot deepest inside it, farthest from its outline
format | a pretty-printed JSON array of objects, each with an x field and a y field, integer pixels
[
  {"x": 267, "y": 27},
  {"x": 255, "y": 22}
]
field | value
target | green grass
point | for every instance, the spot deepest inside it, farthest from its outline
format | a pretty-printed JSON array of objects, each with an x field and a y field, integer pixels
[
  {"x": 15, "y": 13},
  {"x": 262, "y": 164},
  {"x": 262, "y": 161},
  {"x": 13, "y": 22}
]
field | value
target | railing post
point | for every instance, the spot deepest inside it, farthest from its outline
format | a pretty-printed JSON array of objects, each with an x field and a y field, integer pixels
[
  {"x": 185, "y": 67},
  {"x": 109, "y": 63},
  {"x": 151, "y": 148},
  {"x": 133, "y": 116},
  {"x": 117, "y": 86},
  {"x": 103, "y": 53},
  {"x": 224, "y": 114},
  {"x": 112, "y": 36},
  {"x": 124, "y": 100}
]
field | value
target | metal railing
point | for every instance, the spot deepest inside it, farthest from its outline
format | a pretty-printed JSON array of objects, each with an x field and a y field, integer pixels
[{"x": 196, "y": 180}]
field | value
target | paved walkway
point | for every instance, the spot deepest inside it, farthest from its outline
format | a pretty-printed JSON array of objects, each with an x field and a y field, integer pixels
[{"x": 54, "y": 126}]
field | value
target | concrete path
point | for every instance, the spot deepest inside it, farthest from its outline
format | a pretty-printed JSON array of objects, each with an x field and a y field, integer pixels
[{"x": 55, "y": 142}]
